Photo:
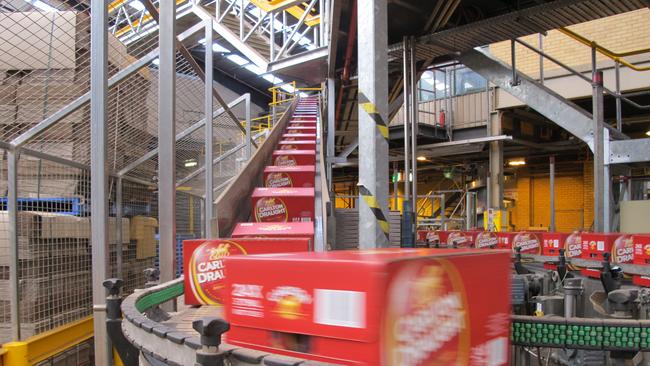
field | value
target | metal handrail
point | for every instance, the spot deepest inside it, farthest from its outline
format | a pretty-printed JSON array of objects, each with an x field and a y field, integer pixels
[
  {"x": 585, "y": 78},
  {"x": 615, "y": 56}
]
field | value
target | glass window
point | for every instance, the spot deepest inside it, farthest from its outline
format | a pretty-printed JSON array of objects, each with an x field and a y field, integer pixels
[{"x": 467, "y": 81}]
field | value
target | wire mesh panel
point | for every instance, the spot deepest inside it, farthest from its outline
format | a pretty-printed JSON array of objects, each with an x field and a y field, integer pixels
[
  {"x": 5, "y": 256},
  {"x": 53, "y": 232},
  {"x": 139, "y": 234}
]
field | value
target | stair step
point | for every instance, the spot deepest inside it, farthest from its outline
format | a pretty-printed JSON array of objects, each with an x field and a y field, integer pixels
[
  {"x": 283, "y": 204},
  {"x": 302, "y": 124}
]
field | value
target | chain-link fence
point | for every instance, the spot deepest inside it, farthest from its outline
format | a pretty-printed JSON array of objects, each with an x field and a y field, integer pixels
[{"x": 45, "y": 120}]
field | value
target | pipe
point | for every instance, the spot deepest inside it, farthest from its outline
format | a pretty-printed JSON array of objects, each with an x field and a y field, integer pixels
[{"x": 352, "y": 35}]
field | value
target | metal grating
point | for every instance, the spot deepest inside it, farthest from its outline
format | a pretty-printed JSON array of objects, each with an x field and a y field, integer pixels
[{"x": 540, "y": 18}]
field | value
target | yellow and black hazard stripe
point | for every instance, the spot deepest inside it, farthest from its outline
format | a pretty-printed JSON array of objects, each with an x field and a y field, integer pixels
[
  {"x": 371, "y": 201},
  {"x": 371, "y": 109}
]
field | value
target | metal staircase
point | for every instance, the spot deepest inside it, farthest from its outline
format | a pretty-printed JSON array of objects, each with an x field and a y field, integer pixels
[{"x": 274, "y": 36}]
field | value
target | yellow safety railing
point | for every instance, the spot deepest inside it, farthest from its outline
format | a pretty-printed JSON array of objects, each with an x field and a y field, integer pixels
[
  {"x": 45, "y": 345},
  {"x": 616, "y": 56},
  {"x": 279, "y": 96},
  {"x": 263, "y": 124}
]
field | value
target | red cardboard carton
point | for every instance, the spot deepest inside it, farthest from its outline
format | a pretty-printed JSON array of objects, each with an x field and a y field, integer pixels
[
  {"x": 594, "y": 245},
  {"x": 552, "y": 242},
  {"x": 641, "y": 256},
  {"x": 283, "y": 204},
  {"x": 299, "y": 137},
  {"x": 204, "y": 267},
  {"x": 302, "y": 124},
  {"x": 384, "y": 307},
  {"x": 294, "y": 157},
  {"x": 529, "y": 242},
  {"x": 486, "y": 239},
  {"x": 505, "y": 239},
  {"x": 289, "y": 176},
  {"x": 297, "y": 145},
  {"x": 274, "y": 230},
  {"x": 301, "y": 130},
  {"x": 456, "y": 239}
]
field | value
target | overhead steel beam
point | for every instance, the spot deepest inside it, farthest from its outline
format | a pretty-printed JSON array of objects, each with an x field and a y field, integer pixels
[
  {"x": 85, "y": 98},
  {"x": 98, "y": 176},
  {"x": 372, "y": 42},
  {"x": 629, "y": 151},
  {"x": 186, "y": 132},
  {"x": 232, "y": 38},
  {"x": 542, "y": 99}
]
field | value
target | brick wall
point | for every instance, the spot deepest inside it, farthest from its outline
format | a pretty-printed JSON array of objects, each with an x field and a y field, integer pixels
[
  {"x": 573, "y": 200},
  {"x": 619, "y": 33}
]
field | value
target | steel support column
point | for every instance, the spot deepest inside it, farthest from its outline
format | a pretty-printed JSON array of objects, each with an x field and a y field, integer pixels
[
  {"x": 166, "y": 140},
  {"x": 118, "y": 224},
  {"x": 247, "y": 116},
  {"x": 495, "y": 163},
  {"x": 599, "y": 152},
  {"x": 551, "y": 175},
  {"x": 331, "y": 128},
  {"x": 408, "y": 234},
  {"x": 209, "y": 129},
  {"x": 12, "y": 211},
  {"x": 373, "y": 146},
  {"x": 414, "y": 130},
  {"x": 98, "y": 176}
]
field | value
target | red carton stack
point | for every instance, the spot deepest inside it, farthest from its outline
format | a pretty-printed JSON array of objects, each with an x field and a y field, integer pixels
[
  {"x": 387, "y": 307},
  {"x": 289, "y": 176},
  {"x": 285, "y": 211},
  {"x": 205, "y": 269},
  {"x": 457, "y": 239},
  {"x": 641, "y": 256}
]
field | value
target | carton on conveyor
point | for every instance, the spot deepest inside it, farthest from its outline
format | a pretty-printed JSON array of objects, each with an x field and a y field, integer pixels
[
  {"x": 289, "y": 176},
  {"x": 283, "y": 204}
]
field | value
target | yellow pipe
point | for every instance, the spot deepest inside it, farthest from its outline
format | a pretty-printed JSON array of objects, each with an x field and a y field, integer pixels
[{"x": 616, "y": 56}]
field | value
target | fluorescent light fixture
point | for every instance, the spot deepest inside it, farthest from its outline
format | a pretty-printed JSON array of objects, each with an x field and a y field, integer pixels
[
  {"x": 137, "y": 5},
  {"x": 156, "y": 62},
  {"x": 189, "y": 163},
  {"x": 288, "y": 88},
  {"x": 202, "y": 41},
  {"x": 517, "y": 162},
  {"x": 216, "y": 47},
  {"x": 647, "y": 133},
  {"x": 303, "y": 95},
  {"x": 272, "y": 79},
  {"x": 254, "y": 69},
  {"x": 421, "y": 158},
  {"x": 43, "y": 6},
  {"x": 237, "y": 59}
]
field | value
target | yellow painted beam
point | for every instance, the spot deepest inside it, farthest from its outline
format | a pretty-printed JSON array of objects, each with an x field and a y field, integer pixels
[
  {"x": 296, "y": 11},
  {"x": 45, "y": 345}
]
